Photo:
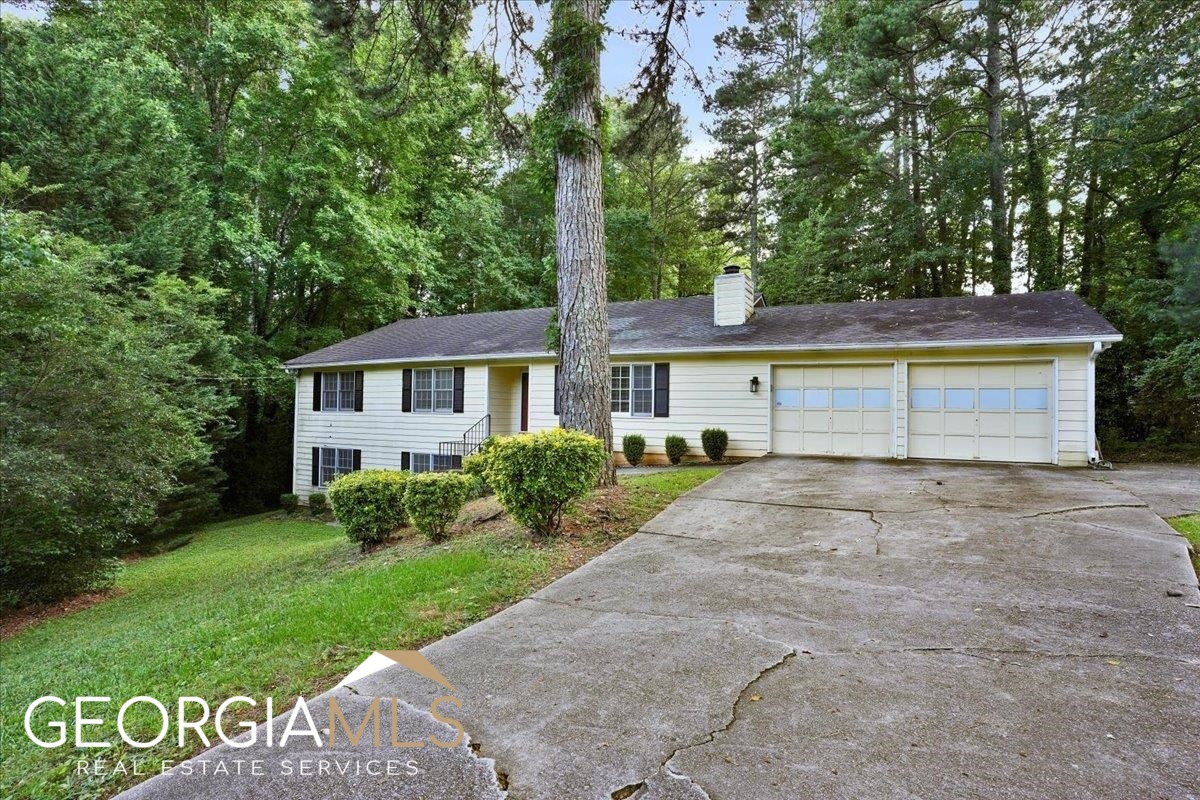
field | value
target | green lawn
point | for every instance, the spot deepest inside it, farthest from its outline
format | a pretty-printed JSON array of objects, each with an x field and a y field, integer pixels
[
  {"x": 1190, "y": 528},
  {"x": 285, "y": 607}
]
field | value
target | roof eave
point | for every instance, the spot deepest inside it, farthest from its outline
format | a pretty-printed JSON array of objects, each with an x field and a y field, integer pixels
[{"x": 918, "y": 345}]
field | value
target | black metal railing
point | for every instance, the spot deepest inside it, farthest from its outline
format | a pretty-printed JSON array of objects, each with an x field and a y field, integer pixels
[{"x": 452, "y": 453}]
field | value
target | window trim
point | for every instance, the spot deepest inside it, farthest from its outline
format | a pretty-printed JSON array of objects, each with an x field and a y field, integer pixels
[
  {"x": 338, "y": 391},
  {"x": 337, "y": 471},
  {"x": 630, "y": 390},
  {"x": 433, "y": 390}
]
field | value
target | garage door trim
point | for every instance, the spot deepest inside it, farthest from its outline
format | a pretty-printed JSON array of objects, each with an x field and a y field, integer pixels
[{"x": 1053, "y": 402}]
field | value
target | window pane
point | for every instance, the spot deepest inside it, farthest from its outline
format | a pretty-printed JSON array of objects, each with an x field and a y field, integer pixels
[
  {"x": 960, "y": 398},
  {"x": 444, "y": 379},
  {"x": 423, "y": 390},
  {"x": 816, "y": 398},
  {"x": 620, "y": 388},
  {"x": 419, "y": 462},
  {"x": 926, "y": 398},
  {"x": 1031, "y": 399},
  {"x": 643, "y": 376},
  {"x": 328, "y": 457},
  {"x": 329, "y": 396},
  {"x": 643, "y": 401},
  {"x": 345, "y": 460},
  {"x": 876, "y": 398},
  {"x": 993, "y": 399},
  {"x": 845, "y": 398},
  {"x": 787, "y": 398}
]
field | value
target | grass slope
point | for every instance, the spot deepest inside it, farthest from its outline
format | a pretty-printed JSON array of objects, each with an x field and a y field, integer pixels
[
  {"x": 1190, "y": 527},
  {"x": 285, "y": 607}
]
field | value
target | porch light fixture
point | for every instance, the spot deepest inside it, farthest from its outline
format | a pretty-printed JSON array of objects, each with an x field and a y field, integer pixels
[{"x": 754, "y": 385}]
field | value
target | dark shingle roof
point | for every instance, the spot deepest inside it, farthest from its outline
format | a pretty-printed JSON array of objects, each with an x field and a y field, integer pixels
[{"x": 648, "y": 326}]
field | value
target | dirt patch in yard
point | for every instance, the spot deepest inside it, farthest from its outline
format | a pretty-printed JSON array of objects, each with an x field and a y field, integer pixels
[{"x": 16, "y": 620}]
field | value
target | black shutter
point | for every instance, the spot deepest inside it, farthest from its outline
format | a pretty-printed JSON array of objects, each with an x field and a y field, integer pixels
[
  {"x": 316, "y": 465},
  {"x": 460, "y": 376},
  {"x": 406, "y": 396},
  {"x": 455, "y": 462},
  {"x": 556, "y": 401},
  {"x": 662, "y": 390},
  {"x": 316, "y": 391},
  {"x": 358, "y": 391},
  {"x": 357, "y": 460},
  {"x": 404, "y": 460}
]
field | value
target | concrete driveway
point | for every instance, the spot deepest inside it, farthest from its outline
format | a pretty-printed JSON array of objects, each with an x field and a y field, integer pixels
[{"x": 822, "y": 628}]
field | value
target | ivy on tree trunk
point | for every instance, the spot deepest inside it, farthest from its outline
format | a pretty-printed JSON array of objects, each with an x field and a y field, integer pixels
[{"x": 573, "y": 45}]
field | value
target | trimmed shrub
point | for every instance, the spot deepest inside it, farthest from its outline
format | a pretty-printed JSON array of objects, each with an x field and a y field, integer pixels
[
  {"x": 715, "y": 442},
  {"x": 316, "y": 503},
  {"x": 475, "y": 465},
  {"x": 677, "y": 448},
  {"x": 370, "y": 503},
  {"x": 289, "y": 502},
  {"x": 633, "y": 447},
  {"x": 433, "y": 500},
  {"x": 536, "y": 475}
]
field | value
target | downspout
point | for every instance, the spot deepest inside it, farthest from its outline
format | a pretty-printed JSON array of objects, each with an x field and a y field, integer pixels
[{"x": 1093, "y": 445}]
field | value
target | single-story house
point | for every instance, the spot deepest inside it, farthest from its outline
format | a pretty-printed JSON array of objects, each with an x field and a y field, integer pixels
[{"x": 997, "y": 378}]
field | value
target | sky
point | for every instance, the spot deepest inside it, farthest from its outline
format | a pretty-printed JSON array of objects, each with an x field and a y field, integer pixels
[{"x": 622, "y": 57}]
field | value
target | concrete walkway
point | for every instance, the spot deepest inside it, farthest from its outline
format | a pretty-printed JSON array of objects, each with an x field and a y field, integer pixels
[{"x": 802, "y": 628}]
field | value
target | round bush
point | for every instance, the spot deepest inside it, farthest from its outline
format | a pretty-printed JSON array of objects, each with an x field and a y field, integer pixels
[
  {"x": 433, "y": 500},
  {"x": 536, "y": 475},
  {"x": 369, "y": 503},
  {"x": 289, "y": 502},
  {"x": 677, "y": 448},
  {"x": 316, "y": 503},
  {"x": 633, "y": 447},
  {"x": 715, "y": 442}
]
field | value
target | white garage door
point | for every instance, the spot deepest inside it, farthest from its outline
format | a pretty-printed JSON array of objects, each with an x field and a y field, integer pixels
[
  {"x": 840, "y": 411},
  {"x": 987, "y": 412}
]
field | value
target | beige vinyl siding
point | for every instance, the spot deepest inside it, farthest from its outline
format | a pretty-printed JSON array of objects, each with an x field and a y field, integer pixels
[
  {"x": 381, "y": 430},
  {"x": 706, "y": 391}
]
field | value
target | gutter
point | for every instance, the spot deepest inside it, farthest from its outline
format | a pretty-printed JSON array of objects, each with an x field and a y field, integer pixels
[{"x": 749, "y": 349}]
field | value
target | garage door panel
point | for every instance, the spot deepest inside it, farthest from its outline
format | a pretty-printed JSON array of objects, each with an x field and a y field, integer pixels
[
  {"x": 1031, "y": 425},
  {"x": 879, "y": 376},
  {"x": 994, "y": 448},
  {"x": 959, "y": 424},
  {"x": 981, "y": 411},
  {"x": 847, "y": 421},
  {"x": 877, "y": 444},
  {"x": 818, "y": 377},
  {"x": 960, "y": 447},
  {"x": 877, "y": 422}
]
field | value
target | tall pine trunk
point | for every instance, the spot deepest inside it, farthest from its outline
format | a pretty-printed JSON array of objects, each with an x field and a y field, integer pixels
[
  {"x": 1001, "y": 242},
  {"x": 575, "y": 41}
]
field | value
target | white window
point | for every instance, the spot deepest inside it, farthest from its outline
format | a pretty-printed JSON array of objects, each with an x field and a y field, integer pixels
[
  {"x": 429, "y": 462},
  {"x": 816, "y": 398},
  {"x": 1031, "y": 399},
  {"x": 926, "y": 398},
  {"x": 960, "y": 398},
  {"x": 632, "y": 390},
  {"x": 877, "y": 398},
  {"x": 787, "y": 398},
  {"x": 337, "y": 391},
  {"x": 994, "y": 399},
  {"x": 845, "y": 398},
  {"x": 335, "y": 461},
  {"x": 433, "y": 390},
  {"x": 643, "y": 390}
]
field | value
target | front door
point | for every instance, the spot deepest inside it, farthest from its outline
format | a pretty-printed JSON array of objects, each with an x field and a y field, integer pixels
[{"x": 524, "y": 401}]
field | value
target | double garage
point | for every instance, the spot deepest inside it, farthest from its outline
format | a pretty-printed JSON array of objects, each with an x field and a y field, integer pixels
[{"x": 981, "y": 411}]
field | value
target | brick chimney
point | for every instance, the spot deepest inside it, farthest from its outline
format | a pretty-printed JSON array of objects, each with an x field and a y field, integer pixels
[{"x": 733, "y": 297}]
